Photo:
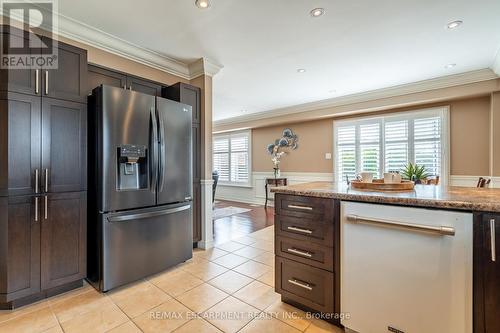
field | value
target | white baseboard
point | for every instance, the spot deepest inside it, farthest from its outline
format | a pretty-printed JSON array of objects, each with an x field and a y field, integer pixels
[{"x": 471, "y": 181}]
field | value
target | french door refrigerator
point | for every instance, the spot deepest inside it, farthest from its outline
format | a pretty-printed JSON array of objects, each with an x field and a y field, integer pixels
[{"x": 140, "y": 183}]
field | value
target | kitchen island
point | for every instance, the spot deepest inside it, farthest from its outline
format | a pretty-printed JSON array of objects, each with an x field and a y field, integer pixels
[{"x": 429, "y": 253}]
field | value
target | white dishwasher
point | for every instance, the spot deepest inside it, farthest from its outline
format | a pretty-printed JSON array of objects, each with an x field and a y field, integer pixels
[{"x": 405, "y": 269}]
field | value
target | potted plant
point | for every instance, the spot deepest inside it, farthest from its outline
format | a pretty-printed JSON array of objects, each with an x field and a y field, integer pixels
[{"x": 414, "y": 172}]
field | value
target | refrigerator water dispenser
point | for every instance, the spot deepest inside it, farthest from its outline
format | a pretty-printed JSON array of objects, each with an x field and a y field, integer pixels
[{"x": 132, "y": 164}]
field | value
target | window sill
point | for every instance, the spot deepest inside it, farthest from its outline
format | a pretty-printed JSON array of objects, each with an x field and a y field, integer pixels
[{"x": 235, "y": 185}]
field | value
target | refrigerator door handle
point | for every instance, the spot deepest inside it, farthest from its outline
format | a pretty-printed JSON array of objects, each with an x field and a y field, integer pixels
[
  {"x": 162, "y": 152},
  {"x": 154, "y": 145},
  {"x": 148, "y": 215}
]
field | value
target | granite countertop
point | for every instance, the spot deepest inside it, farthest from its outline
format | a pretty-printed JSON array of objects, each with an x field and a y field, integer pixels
[{"x": 460, "y": 198}]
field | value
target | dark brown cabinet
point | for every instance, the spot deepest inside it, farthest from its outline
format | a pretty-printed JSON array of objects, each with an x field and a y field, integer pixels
[
  {"x": 486, "y": 273},
  {"x": 64, "y": 146},
  {"x": 63, "y": 238},
  {"x": 19, "y": 247},
  {"x": 20, "y": 143},
  {"x": 191, "y": 95},
  {"x": 69, "y": 81},
  {"x": 98, "y": 75}
]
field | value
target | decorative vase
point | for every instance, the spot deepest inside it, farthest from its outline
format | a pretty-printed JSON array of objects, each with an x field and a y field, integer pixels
[{"x": 277, "y": 172}]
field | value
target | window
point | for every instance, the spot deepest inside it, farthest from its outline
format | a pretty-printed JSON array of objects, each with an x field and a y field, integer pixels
[
  {"x": 231, "y": 158},
  {"x": 388, "y": 143}
]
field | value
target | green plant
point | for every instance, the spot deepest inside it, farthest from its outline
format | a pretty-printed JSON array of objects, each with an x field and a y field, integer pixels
[{"x": 414, "y": 172}]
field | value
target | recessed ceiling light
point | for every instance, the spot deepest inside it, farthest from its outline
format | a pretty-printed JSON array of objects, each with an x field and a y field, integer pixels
[
  {"x": 454, "y": 24},
  {"x": 243, "y": 110},
  {"x": 332, "y": 91},
  {"x": 301, "y": 70},
  {"x": 450, "y": 66},
  {"x": 203, "y": 4},
  {"x": 317, "y": 12}
]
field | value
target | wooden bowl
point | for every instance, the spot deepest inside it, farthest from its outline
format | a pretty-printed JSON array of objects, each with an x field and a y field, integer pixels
[{"x": 379, "y": 185}]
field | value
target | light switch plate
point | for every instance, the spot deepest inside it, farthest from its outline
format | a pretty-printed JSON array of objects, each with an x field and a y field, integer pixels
[{"x": 328, "y": 156}]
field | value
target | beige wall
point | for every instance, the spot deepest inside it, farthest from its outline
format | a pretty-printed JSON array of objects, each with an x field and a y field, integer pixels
[
  {"x": 469, "y": 140},
  {"x": 495, "y": 138}
]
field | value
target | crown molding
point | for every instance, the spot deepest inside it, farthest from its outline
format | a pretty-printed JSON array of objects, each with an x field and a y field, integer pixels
[
  {"x": 203, "y": 66},
  {"x": 86, "y": 34},
  {"x": 404, "y": 89},
  {"x": 495, "y": 67}
]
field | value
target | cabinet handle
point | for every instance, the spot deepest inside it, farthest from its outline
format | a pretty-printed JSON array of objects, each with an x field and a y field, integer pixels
[
  {"x": 45, "y": 212},
  {"x": 37, "y": 81},
  {"x": 300, "y": 207},
  {"x": 46, "y": 180},
  {"x": 300, "y": 284},
  {"x": 304, "y": 231},
  {"x": 37, "y": 176},
  {"x": 46, "y": 82},
  {"x": 300, "y": 253},
  {"x": 493, "y": 241},
  {"x": 36, "y": 209}
]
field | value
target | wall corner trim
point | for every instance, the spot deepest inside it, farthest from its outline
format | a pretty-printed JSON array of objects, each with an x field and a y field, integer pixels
[
  {"x": 495, "y": 67},
  {"x": 203, "y": 66}
]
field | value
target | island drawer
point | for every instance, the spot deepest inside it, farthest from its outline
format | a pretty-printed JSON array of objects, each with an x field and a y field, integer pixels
[
  {"x": 304, "y": 207},
  {"x": 306, "y": 285},
  {"x": 311, "y": 230},
  {"x": 308, "y": 253}
]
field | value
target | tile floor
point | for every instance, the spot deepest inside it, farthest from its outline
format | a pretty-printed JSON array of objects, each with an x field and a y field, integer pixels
[{"x": 230, "y": 287}]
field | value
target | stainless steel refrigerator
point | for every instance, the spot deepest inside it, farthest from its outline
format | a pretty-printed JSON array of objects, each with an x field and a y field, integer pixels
[{"x": 140, "y": 186}]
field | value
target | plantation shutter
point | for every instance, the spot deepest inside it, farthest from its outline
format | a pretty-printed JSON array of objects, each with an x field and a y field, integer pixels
[
  {"x": 240, "y": 167},
  {"x": 427, "y": 141},
  {"x": 346, "y": 152},
  {"x": 231, "y": 157},
  {"x": 221, "y": 157}
]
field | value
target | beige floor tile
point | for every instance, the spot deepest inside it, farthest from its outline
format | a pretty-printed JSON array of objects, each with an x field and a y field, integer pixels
[
  {"x": 321, "y": 326},
  {"x": 266, "y": 258},
  {"x": 231, "y": 314},
  {"x": 245, "y": 240},
  {"x": 267, "y": 278},
  {"x": 264, "y": 245},
  {"x": 249, "y": 252},
  {"x": 164, "y": 318},
  {"x": 128, "y": 327},
  {"x": 101, "y": 319},
  {"x": 138, "y": 298},
  {"x": 72, "y": 293},
  {"x": 202, "y": 297},
  {"x": 268, "y": 326},
  {"x": 252, "y": 269},
  {"x": 205, "y": 270},
  {"x": 212, "y": 253},
  {"x": 32, "y": 322},
  {"x": 230, "y": 281},
  {"x": 9, "y": 314},
  {"x": 289, "y": 315},
  {"x": 230, "y": 260},
  {"x": 55, "y": 329},
  {"x": 230, "y": 246},
  {"x": 79, "y": 304},
  {"x": 199, "y": 326},
  {"x": 257, "y": 294},
  {"x": 176, "y": 283}
]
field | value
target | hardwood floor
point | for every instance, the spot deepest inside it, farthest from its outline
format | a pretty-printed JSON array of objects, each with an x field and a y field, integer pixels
[{"x": 242, "y": 224}]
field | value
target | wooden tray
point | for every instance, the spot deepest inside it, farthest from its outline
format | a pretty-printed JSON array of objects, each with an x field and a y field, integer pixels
[{"x": 379, "y": 185}]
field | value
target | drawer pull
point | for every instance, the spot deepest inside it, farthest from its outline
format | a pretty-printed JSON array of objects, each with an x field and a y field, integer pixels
[
  {"x": 300, "y": 284},
  {"x": 304, "y": 231},
  {"x": 300, "y": 207},
  {"x": 493, "y": 240},
  {"x": 300, "y": 253}
]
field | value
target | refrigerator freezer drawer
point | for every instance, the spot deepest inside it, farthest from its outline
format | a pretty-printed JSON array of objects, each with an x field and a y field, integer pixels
[
  {"x": 142, "y": 242},
  {"x": 406, "y": 269}
]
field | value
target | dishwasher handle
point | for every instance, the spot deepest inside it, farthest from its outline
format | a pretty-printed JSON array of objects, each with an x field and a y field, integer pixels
[
  {"x": 440, "y": 230},
  {"x": 493, "y": 241}
]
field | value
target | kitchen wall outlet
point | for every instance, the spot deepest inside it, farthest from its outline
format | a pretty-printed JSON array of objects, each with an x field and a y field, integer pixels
[{"x": 328, "y": 156}]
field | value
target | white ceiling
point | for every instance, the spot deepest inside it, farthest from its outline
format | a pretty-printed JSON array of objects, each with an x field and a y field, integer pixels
[{"x": 357, "y": 46}]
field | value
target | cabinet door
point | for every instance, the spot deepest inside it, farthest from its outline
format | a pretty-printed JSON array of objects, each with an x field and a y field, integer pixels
[
  {"x": 69, "y": 80},
  {"x": 196, "y": 137},
  {"x": 20, "y": 247},
  {"x": 26, "y": 81},
  {"x": 143, "y": 86},
  {"x": 97, "y": 76},
  {"x": 64, "y": 146},
  {"x": 187, "y": 94},
  {"x": 63, "y": 238},
  {"x": 196, "y": 211},
  {"x": 491, "y": 273},
  {"x": 19, "y": 144}
]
